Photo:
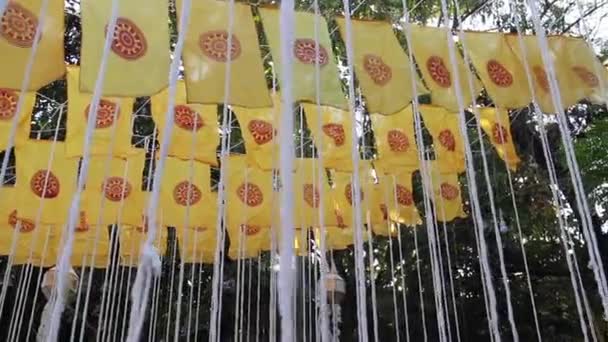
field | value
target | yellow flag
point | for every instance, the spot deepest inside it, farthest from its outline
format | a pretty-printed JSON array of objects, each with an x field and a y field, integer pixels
[
  {"x": 382, "y": 67},
  {"x": 307, "y": 188},
  {"x": 17, "y": 34},
  {"x": 430, "y": 49},
  {"x": 205, "y": 56},
  {"x": 39, "y": 187},
  {"x": 399, "y": 197},
  {"x": 113, "y": 127},
  {"x": 499, "y": 68},
  {"x": 248, "y": 240},
  {"x": 333, "y": 135},
  {"x": 131, "y": 240},
  {"x": 305, "y": 57},
  {"x": 446, "y": 195},
  {"x": 8, "y": 110},
  {"x": 113, "y": 192},
  {"x": 195, "y": 132},
  {"x": 447, "y": 141},
  {"x": 495, "y": 123},
  {"x": 259, "y": 128},
  {"x": 36, "y": 247},
  {"x": 395, "y": 141},
  {"x": 186, "y": 199},
  {"x": 343, "y": 196},
  {"x": 338, "y": 238},
  {"x": 249, "y": 194},
  {"x": 91, "y": 247},
  {"x": 197, "y": 244},
  {"x": 138, "y": 63}
]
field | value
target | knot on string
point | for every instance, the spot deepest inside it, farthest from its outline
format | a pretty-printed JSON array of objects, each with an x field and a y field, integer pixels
[{"x": 151, "y": 259}]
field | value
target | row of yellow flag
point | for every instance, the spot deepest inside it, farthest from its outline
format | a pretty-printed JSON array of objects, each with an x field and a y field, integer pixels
[{"x": 140, "y": 49}]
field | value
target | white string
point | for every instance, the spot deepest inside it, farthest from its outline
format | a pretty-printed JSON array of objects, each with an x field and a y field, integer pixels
[
  {"x": 198, "y": 300},
  {"x": 257, "y": 308},
  {"x": 172, "y": 282},
  {"x": 372, "y": 278}
]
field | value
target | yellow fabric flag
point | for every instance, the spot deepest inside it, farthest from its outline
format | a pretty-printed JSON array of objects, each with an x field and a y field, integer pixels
[
  {"x": 334, "y": 139},
  {"x": 447, "y": 141},
  {"x": 195, "y": 133},
  {"x": 381, "y": 65},
  {"x": 305, "y": 57},
  {"x": 259, "y": 128},
  {"x": 206, "y": 56},
  {"x": 399, "y": 197},
  {"x": 138, "y": 63},
  {"x": 42, "y": 188},
  {"x": 91, "y": 247},
  {"x": 249, "y": 194},
  {"x": 446, "y": 194},
  {"x": 495, "y": 123},
  {"x": 378, "y": 212},
  {"x": 113, "y": 192},
  {"x": 501, "y": 72},
  {"x": 542, "y": 88},
  {"x": 131, "y": 240},
  {"x": 17, "y": 34},
  {"x": 338, "y": 238},
  {"x": 432, "y": 54},
  {"x": 8, "y": 110},
  {"x": 342, "y": 195},
  {"x": 248, "y": 240},
  {"x": 113, "y": 127},
  {"x": 307, "y": 188},
  {"x": 395, "y": 141},
  {"x": 36, "y": 247},
  {"x": 197, "y": 244},
  {"x": 186, "y": 199}
]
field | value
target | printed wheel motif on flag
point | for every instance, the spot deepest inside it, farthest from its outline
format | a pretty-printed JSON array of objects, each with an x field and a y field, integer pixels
[
  {"x": 340, "y": 220},
  {"x": 449, "y": 192},
  {"x": 250, "y": 194},
  {"x": 311, "y": 195},
  {"x": 384, "y": 211},
  {"x": 186, "y": 193},
  {"x": 214, "y": 44},
  {"x": 261, "y": 131},
  {"x": 397, "y": 141},
  {"x": 305, "y": 51},
  {"x": 377, "y": 70},
  {"x": 336, "y": 132},
  {"x": 106, "y": 111},
  {"x": 499, "y": 74},
  {"x": 586, "y": 76},
  {"x": 348, "y": 192},
  {"x": 42, "y": 190},
  {"x": 404, "y": 196},
  {"x": 116, "y": 189},
  {"x": 249, "y": 229},
  {"x": 541, "y": 78},
  {"x": 186, "y": 118},
  {"x": 144, "y": 226},
  {"x": 447, "y": 140},
  {"x": 439, "y": 72},
  {"x": 18, "y": 25},
  {"x": 26, "y": 225},
  {"x": 500, "y": 134},
  {"x": 8, "y": 104},
  {"x": 82, "y": 226},
  {"x": 128, "y": 41}
]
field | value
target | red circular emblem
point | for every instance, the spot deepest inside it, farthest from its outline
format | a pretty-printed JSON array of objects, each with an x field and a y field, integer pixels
[
  {"x": 250, "y": 194},
  {"x": 499, "y": 74},
  {"x": 261, "y": 131},
  {"x": 500, "y": 134},
  {"x": 384, "y": 211},
  {"x": 43, "y": 186},
  {"x": 106, "y": 112},
  {"x": 249, "y": 229},
  {"x": 8, "y": 104},
  {"x": 340, "y": 220},
  {"x": 439, "y": 73},
  {"x": 348, "y": 192},
  {"x": 187, "y": 119},
  {"x": 305, "y": 51},
  {"x": 128, "y": 41},
  {"x": 541, "y": 78},
  {"x": 116, "y": 189},
  {"x": 448, "y": 191},
  {"x": 82, "y": 225},
  {"x": 586, "y": 76},
  {"x": 214, "y": 44},
  {"x": 397, "y": 141},
  {"x": 404, "y": 196},
  {"x": 447, "y": 140},
  {"x": 311, "y": 195},
  {"x": 18, "y": 25},
  {"x": 377, "y": 70},
  {"x": 26, "y": 225},
  {"x": 186, "y": 193},
  {"x": 336, "y": 132}
]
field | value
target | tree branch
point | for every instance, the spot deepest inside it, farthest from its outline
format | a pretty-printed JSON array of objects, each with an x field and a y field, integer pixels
[{"x": 589, "y": 12}]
